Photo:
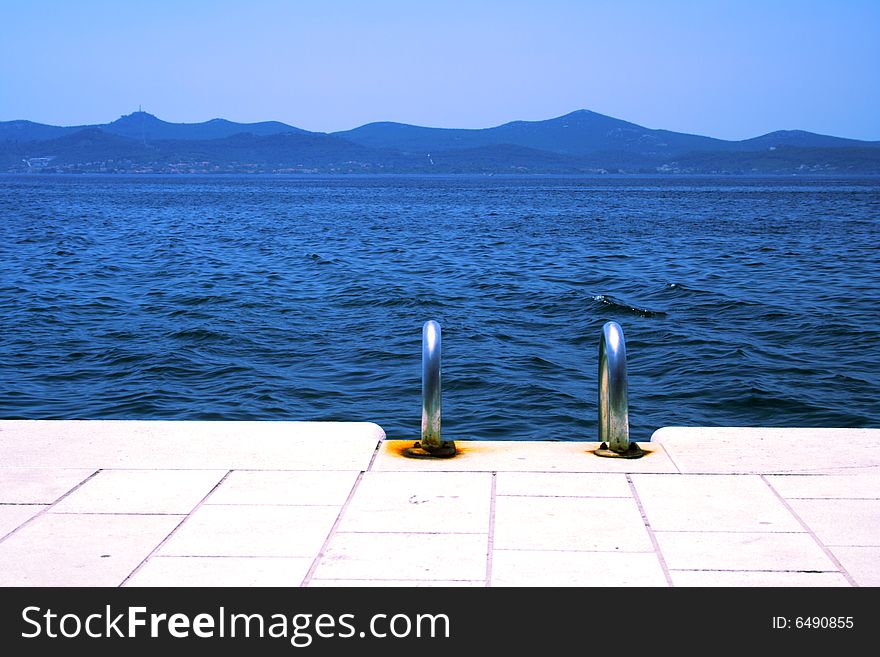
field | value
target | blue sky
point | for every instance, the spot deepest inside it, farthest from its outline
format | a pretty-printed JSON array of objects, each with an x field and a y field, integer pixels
[{"x": 725, "y": 69}]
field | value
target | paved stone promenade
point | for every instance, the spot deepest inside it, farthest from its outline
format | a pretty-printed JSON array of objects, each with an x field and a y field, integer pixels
[{"x": 131, "y": 503}]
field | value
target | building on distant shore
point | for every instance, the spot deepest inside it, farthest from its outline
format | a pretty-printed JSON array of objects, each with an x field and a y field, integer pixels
[{"x": 38, "y": 162}]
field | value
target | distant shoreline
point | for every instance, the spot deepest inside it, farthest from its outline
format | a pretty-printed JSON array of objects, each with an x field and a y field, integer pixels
[
  {"x": 578, "y": 143},
  {"x": 390, "y": 174}
]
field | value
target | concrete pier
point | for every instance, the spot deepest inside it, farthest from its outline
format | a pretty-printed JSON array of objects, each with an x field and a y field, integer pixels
[{"x": 143, "y": 503}]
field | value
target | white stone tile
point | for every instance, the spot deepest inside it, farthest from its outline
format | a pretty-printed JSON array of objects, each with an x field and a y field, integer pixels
[
  {"x": 862, "y": 563},
  {"x": 395, "y": 583},
  {"x": 555, "y": 568},
  {"x": 38, "y": 485},
  {"x": 728, "y": 578},
  {"x": 80, "y": 550},
  {"x": 697, "y": 450},
  {"x": 284, "y": 487},
  {"x": 521, "y": 456},
  {"x": 857, "y": 485},
  {"x": 189, "y": 445},
  {"x": 741, "y": 551},
  {"x": 569, "y": 523},
  {"x": 451, "y": 502},
  {"x": 712, "y": 503},
  {"x": 408, "y": 557},
  {"x": 562, "y": 484},
  {"x": 14, "y": 515},
  {"x": 141, "y": 491},
  {"x": 253, "y": 531},
  {"x": 841, "y": 522},
  {"x": 222, "y": 571}
]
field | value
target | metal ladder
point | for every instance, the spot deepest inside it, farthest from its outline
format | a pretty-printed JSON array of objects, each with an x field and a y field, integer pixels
[{"x": 613, "y": 405}]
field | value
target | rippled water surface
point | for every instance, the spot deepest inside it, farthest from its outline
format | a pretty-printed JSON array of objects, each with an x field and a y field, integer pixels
[{"x": 743, "y": 302}]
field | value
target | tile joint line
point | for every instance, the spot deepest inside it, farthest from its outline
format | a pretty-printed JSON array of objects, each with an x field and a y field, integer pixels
[
  {"x": 49, "y": 507},
  {"x": 671, "y": 460},
  {"x": 176, "y": 527},
  {"x": 651, "y": 535},
  {"x": 490, "y": 547},
  {"x": 811, "y": 533},
  {"x": 311, "y": 572},
  {"x": 375, "y": 454}
]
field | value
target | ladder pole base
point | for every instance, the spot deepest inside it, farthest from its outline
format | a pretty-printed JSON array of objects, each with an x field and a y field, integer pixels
[
  {"x": 634, "y": 452},
  {"x": 446, "y": 450}
]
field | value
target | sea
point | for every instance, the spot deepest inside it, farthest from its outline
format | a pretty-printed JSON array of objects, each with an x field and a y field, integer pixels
[{"x": 743, "y": 301}]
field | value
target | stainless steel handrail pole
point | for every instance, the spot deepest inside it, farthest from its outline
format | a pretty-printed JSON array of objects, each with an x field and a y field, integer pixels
[
  {"x": 431, "y": 444},
  {"x": 431, "y": 397},
  {"x": 613, "y": 402}
]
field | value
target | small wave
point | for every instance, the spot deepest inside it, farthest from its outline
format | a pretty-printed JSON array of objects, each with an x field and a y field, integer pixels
[
  {"x": 320, "y": 260},
  {"x": 622, "y": 306},
  {"x": 684, "y": 288},
  {"x": 413, "y": 302},
  {"x": 119, "y": 359},
  {"x": 200, "y": 300},
  {"x": 541, "y": 363},
  {"x": 199, "y": 335}
]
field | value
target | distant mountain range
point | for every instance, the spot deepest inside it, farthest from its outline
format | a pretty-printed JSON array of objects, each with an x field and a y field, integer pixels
[{"x": 579, "y": 142}]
